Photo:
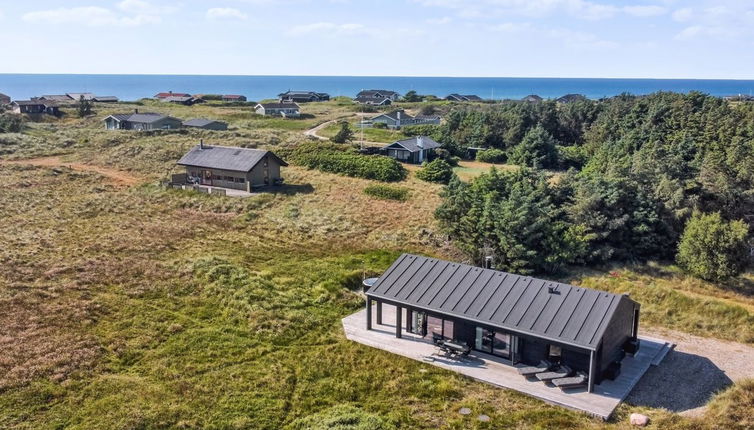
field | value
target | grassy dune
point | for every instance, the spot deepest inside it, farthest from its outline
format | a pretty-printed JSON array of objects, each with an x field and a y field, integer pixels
[{"x": 139, "y": 307}]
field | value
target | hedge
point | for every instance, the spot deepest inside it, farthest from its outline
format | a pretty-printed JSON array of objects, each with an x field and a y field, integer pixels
[
  {"x": 345, "y": 161},
  {"x": 386, "y": 192}
]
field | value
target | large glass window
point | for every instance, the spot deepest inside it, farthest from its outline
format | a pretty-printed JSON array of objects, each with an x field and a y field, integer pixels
[
  {"x": 492, "y": 342},
  {"x": 434, "y": 325}
]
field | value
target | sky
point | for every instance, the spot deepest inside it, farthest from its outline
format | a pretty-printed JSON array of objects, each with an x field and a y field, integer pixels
[{"x": 704, "y": 39}]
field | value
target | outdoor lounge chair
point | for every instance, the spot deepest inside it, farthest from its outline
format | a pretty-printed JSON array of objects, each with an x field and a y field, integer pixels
[
  {"x": 579, "y": 380},
  {"x": 543, "y": 366},
  {"x": 561, "y": 372}
]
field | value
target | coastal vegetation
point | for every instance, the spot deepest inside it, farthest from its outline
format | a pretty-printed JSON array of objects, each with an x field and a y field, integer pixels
[{"x": 128, "y": 305}]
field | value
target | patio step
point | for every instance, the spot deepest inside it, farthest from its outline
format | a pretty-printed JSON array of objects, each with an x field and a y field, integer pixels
[{"x": 664, "y": 350}]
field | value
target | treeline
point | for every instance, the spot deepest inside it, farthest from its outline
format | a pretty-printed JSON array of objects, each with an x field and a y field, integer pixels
[{"x": 640, "y": 168}]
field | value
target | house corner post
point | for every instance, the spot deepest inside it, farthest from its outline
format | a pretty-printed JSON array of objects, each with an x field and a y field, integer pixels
[
  {"x": 398, "y": 315},
  {"x": 369, "y": 313}
]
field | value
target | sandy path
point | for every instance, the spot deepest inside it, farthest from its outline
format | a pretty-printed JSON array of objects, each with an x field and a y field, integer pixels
[{"x": 116, "y": 176}]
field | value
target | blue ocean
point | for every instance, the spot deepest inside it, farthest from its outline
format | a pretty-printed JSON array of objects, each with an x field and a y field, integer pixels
[{"x": 133, "y": 87}]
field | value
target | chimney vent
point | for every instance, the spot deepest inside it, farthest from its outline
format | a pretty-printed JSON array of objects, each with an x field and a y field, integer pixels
[
  {"x": 201, "y": 143},
  {"x": 488, "y": 262},
  {"x": 136, "y": 110},
  {"x": 420, "y": 141},
  {"x": 553, "y": 289}
]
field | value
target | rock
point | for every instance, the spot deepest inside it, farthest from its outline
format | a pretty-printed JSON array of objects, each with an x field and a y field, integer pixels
[
  {"x": 639, "y": 420},
  {"x": 464, "y": 411},
  {"x": 484, "y": 418}
]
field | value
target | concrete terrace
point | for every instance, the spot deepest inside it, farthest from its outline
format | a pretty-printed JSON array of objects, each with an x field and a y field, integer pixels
[{"x": 499, "y": 372}]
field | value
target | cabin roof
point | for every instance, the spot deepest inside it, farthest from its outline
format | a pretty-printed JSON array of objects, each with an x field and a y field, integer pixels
[
  {"x": 567, "y": 314},
  {"x": 226, "y": 157},
  {"x": 412, "y": 144}
]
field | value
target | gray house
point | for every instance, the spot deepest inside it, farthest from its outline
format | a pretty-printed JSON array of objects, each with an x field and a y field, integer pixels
[
  {"x": 206, "y": 124},
  {"x": 303, "y": 97},
  {"x": 415, "y": 150},
  {"x": 376, "y": 97},
  {"x": 571, "y": 98},
  {"x": 285, "y": 110},
  {"x": 399, "y": 118},
  {"x": 532, "y": 98},
  {"x": 463, "y": 98},
  {"x": 141, "y": 121},
  {"x": 517, "y": 318},
  {"x": 4, "y": 99},
  {"x": 105, "y": 99},
  {"x": 35, "y": 106},
  {"x": 231, "y": 167}
]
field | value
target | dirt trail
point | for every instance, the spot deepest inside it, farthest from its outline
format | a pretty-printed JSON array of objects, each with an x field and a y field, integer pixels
[{"x": 116, "y": 176}]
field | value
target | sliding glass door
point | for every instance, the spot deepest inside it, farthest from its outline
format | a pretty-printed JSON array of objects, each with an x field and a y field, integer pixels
[{"x": 492, "y": 342}]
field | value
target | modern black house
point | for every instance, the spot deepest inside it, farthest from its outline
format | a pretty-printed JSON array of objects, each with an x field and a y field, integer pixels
[{"x": 517, "y": 318}]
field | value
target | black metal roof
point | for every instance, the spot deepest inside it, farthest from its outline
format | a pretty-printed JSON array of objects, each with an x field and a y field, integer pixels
[{"x": 562, "y": 313}]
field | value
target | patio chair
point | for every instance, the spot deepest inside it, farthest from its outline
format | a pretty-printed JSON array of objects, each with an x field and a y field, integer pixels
[
  {"x": 437, "y": 338},
  {"x": 543, "y": 366},
  {"x": 560, "y": 372},
  {"x": 579, "y": 380}
]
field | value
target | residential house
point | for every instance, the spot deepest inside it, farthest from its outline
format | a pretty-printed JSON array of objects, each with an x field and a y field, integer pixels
[
  {"x": 519, "y": 319},
  {"x": 400, "y": 118},
  {"x": 384, "y": 101},
  {"x": 160, "y": 96},
  {"x": 303, "y": 97},
  {"x": 234, "y": 98},
  {"x": 414, "y": 150},
  {"x": 532, "y": 98},
  {"x": 376, "y": 97},
  {"x": 57, "y": 98},
  {"x": 206, "y": 124},
  {"x": 463, "y": 98},
  {"x": 105, "y": 99},
  {"x": 278, "y": 109},
  {"x": 183, "y": 100},
  {"x": 35, "y": 106},
  {"x": 4, "y": 99},
  {"x": 78, "y": 96},
  {"x": 142, "y": 121},
  {"x": 571, "y": 98},
  {"x": 232, "y": 167}
]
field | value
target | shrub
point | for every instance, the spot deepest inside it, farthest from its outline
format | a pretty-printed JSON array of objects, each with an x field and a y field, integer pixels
[
  {"x": 712, "y": 248},
  {"x": 438, "y": 171},
  {"x": 381, "y": 125},
  {"x": 491, "y": 156},
  {"x": 345, "y": 134},
  {"x": 431, "y": 130},
  {"x": 10, "y": 123},
  {"x": 571, "y": 156},
  {"x": 447, "y": 156},
  {"x": 386, "y": 192},
  {"x": 344, "y": 161}
]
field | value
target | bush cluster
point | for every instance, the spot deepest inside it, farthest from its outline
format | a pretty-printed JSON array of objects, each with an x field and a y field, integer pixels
[
  {"x": 491, "y": 156},
  {"x": 437, "y": 170},
  {"x": 386, "y": 192},
  {"x": 345, "y": 161}
]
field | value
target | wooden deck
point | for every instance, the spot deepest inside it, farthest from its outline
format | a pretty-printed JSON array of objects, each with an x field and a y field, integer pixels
[{"x": 496, "y": 371}]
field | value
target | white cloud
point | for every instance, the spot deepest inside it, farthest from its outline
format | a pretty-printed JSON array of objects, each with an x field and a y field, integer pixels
[
  {"x": 217, "y": 13},
  {"x": 683, "y": 15},
  {"x": 327, "y": 28},
  {"x": 582, "y": 9},
  {"x": 645, "y": 10},
  {"x": 135, "y": 13},
  {"x": 439, "y": 21}
]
